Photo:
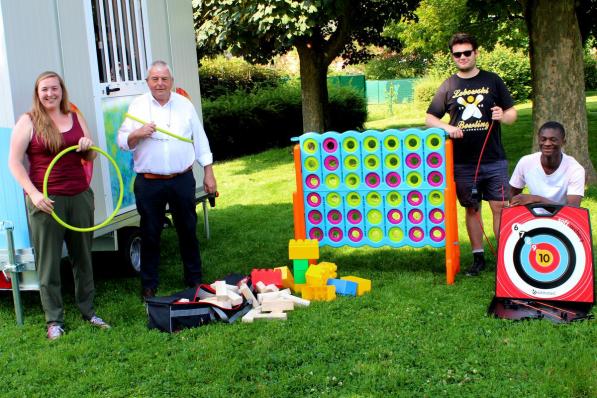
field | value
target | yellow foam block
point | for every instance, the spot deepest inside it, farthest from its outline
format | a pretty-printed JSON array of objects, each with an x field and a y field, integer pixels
[
  {"x": 319, "y": 293},
  {"x": 330, "y": 268},
  {"x": 303, "y": 249},
  {"x": 364, "y": 285},
  {"x": 298, "y": 287},
  {"x": 287, "y": 278}
]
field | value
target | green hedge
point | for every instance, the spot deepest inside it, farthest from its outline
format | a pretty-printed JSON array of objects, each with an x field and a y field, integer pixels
[
  {"x": 425, "y": 89},
  {"x": 395, "y": 66},
  {"x": 221, "y": 76},
  {"x": 242, "y": 123},
  {"x": 590, "y": 71}
]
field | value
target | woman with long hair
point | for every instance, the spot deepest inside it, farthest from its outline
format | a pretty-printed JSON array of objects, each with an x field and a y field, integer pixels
[{"x": 38, "y": 136}]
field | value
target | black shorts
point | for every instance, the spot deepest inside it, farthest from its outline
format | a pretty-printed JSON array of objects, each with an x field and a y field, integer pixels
[{"x": 492, "y": 182}]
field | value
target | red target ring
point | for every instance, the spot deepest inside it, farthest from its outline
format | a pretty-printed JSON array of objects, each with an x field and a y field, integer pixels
[{"x": 544, "y": 257}]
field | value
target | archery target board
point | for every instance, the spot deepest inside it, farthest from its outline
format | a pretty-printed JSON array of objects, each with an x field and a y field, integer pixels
[{"x": 545, "y": 256}]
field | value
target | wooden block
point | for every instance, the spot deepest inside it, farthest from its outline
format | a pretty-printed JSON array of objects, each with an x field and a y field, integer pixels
[
  {"x": 271, "y": 316},
  {"x": 249, "y": 316},
  {"x": 260, "y": 287},
  {"x": 221, "y": 291},
  {"x": 234, "y": 288},
  {"x": 271, "y": 288},
  {"x": 262, "y": 296},
  {"x": 234, "y": 298},
  {"x": 296, "y": 300},
  {"x": 245, "y": 291},
  {"x": 277, "y": 305}
]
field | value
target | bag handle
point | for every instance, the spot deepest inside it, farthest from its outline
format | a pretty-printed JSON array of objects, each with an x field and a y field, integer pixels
[{"x": 548, "y": 210}]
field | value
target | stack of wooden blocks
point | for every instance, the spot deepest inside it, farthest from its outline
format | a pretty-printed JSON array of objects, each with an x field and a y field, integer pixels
[{"x": 270, "y": 303}]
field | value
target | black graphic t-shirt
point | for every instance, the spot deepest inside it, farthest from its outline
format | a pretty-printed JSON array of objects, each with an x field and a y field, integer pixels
[{"x": 469, "y": 103}]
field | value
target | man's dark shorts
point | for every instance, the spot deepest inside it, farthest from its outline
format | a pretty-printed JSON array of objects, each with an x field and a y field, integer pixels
[{"x": 492, "y": 182}]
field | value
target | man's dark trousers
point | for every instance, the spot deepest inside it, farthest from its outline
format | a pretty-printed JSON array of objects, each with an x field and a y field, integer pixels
[{"x": 152, "y": 196}]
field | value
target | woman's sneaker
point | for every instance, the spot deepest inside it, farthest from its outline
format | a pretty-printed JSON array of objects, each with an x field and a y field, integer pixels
[
  {"x": 55, "y": 332},
  {"x": 98, "y": 322}
]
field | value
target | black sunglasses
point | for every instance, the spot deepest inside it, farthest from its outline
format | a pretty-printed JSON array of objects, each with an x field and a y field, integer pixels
[{"x": 458, "y": 54}]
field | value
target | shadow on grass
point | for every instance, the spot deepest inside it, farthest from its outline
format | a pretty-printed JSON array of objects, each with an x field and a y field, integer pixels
[
  {"x": 247, "y": 237},
  {"x": 263, "y": 161}
]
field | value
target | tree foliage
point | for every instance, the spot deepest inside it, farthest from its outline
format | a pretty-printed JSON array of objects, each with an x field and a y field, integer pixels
[
  {"x": 320, "y": 30},
  {"x": 258, "y": 30},
  {"x": 436, "y": 21}
]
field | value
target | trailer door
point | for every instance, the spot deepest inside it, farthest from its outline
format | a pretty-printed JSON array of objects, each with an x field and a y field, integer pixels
[{"x": 120, "y": 38}]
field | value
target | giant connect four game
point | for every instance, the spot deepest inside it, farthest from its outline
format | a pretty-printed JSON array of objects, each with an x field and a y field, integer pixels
[{"x": 392, "y": 188}]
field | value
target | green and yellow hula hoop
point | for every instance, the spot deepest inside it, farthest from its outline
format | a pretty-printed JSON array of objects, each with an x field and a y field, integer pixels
[
  {"x": 120, "y": 184},
  {"x": 161, "y": 130}
]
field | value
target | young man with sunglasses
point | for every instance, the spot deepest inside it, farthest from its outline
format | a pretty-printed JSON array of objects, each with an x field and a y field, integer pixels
[{"x": 477, "y": 102}]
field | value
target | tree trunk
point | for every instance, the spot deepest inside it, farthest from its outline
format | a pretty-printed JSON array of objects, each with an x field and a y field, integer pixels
[
  {"x": 314, "y": 89},
  {"x": 557, "y": 70}
]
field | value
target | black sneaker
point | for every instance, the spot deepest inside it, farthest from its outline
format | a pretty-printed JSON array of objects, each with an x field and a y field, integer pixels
[{"x": 477, "y": 266}]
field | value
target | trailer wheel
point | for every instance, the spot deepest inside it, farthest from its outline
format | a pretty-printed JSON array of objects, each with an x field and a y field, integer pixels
[{"x": 129, "y": 247}]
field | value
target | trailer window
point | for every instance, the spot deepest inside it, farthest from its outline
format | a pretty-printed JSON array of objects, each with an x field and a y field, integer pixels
[{"x": 120, "y": 40}]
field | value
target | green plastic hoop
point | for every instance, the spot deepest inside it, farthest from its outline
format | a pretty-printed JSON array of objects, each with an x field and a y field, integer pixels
[
  {"x": 161, "y": 130},
  {"x": 120, "y": 184}
]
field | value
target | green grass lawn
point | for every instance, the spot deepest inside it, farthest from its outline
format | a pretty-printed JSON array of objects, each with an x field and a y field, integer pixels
[{"x": 413, "y": 335}]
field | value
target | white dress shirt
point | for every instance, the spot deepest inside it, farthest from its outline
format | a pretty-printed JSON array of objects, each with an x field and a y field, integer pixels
[{"x": 161, "y": 153}]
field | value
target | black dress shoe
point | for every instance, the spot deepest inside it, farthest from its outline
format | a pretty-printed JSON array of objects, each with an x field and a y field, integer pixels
[{"x": 147, "y": 292}]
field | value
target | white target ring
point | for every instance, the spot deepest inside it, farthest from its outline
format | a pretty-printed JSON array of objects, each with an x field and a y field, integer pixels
[{"x": 558, "y": 236}]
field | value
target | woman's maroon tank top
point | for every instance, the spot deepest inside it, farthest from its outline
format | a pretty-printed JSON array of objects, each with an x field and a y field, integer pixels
[{"x": 67, "y": 177}]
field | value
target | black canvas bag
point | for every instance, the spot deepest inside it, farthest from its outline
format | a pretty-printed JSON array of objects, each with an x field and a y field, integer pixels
[{"x": 169, "y": 315}]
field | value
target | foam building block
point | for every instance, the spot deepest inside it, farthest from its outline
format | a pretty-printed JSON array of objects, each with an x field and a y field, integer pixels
[
  {"x": 303, "y": 249},
  {"x": 298, "y": 287},
  {"x": 318, "y": 275},
  {"x": 344, "y": 287},
  {"x": 267, "y": 276},
  {"x": 300, "y": 268},
  {"x": 364, "y": 285},
  {"x": 287, "y": 278},
  {"x": 330, "y": 268},
  {"x": 319, "y": 293}
]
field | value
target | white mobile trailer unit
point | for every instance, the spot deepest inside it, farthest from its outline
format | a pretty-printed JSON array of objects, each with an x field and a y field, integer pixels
[{"x": 102, "y": 49}]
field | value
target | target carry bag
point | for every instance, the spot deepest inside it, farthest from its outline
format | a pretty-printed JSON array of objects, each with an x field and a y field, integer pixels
[{"x": 170, "y": 314}]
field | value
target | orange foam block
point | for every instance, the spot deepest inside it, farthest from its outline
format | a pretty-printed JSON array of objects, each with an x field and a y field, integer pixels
[
  {"x": 287, "y": 278},
  {"x": 364, "y": 285},
  {"x": 303, "y": 249}
]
